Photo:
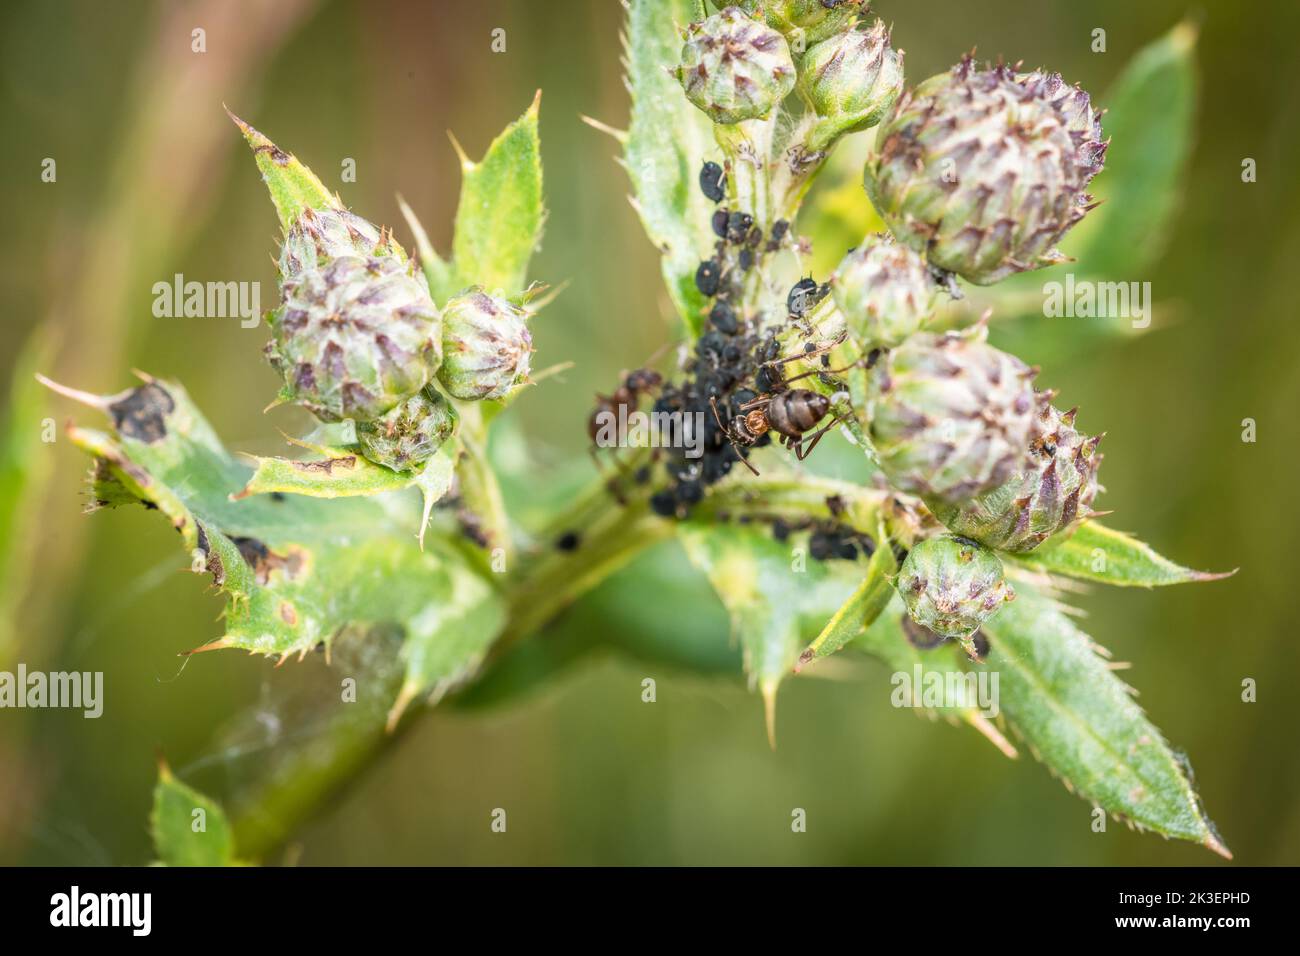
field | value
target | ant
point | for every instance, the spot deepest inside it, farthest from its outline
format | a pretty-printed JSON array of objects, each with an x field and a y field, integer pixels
[
  {"x": 790, "y": 412},
  {"x": 627, "y": 396}
]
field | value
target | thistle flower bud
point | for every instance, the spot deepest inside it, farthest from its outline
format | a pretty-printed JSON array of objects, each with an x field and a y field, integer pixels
[
  {"x": 486, "y": 346},
  {"x": 735, "y": 68},
  {"x": 982, "y": 171},
  {"x": 1083, "y": 122},
  {"x": 319, "y": 236},
  {"x": 950, "y": 416},
  {"x": 1050, "y": 494},
  {"x": 805, "y": 22},
  {"x": 952, "y": 585},
  {"x": 851, "y": 80},
  {"x": 885, "y": 292},
  {"x": 409, "y": 434},
  {"x": 354, "y": 338}
]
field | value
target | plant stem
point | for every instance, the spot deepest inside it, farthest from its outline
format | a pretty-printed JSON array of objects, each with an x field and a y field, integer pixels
[
  {"x": 610, "y": 532},
  {"x": 299, "y": 783}
]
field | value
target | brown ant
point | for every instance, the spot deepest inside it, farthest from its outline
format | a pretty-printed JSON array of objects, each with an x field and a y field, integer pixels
[
  {"x": 790, "y": 412},
  {"x": 635, "y": 384}
]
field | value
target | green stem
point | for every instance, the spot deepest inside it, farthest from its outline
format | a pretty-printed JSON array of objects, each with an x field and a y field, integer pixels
[{"x": 300, "y": 782}]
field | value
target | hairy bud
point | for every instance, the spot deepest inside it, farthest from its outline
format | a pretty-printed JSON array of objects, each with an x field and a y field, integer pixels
[
  {"x": 952, "y": 585},
  {"x": 354, "y": 338},
  {"x": 409, "y": 434},
  {"x": 1049, "y": 495},
  {"x": 885, "y": 292},
  {"x": 486, "y": 346},
  {"x": 851, "y": 80},
  {"x": 735, "y": 68},
  {"x": 319, "y": 236},
  {"x": 984, "y": 172},
  {"x": 806, "y": 21},
  {"x": 950, "y": 416}
]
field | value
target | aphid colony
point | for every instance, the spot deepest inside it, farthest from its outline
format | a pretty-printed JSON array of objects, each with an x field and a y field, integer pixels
[{"x": 733, "y": 382}]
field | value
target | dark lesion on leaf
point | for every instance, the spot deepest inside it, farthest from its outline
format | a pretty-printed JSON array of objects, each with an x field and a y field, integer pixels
[
  {"x": 276, "y": 154},
  {"x": 263, "y": 560},
  {"x": 326, "y": 465},
  {"x": 212, "y": 560},
  {"x": 107, "y": 490},
  {"x": 142, "y": 413}
]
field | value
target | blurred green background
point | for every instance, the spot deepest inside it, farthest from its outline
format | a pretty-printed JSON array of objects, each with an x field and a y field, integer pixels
[{"x": 153, "y": 180}]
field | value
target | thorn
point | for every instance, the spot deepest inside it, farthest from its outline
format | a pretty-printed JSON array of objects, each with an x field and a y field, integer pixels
[
  {"x": 551, "y": 370},
  {"x": 618, "y": 134},
  {"x": 1215, "y": 843},
  {"x": 1213, "y": 575},
  {"x": 218, "y": 644},
  {"x": 466, "y": 164},
  {"x": 991, "y": 733},
  {"x": 404, "y": 698},
  {"x": 238, "y": 122},
  {"x": 549, "y": 296},
  {"x": 424, "y": 517},
  {"x": 423, "y": 247},
  {"x": 768, "y": 690},
  {"x": 86, "y": 398}
]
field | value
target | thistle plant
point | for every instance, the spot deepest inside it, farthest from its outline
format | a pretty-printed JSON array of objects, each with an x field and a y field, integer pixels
[{"x": 951, "y": 556}]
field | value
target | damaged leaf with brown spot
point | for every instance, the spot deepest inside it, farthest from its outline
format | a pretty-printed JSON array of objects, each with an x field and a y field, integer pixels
[{"x": 295, "y": 570}]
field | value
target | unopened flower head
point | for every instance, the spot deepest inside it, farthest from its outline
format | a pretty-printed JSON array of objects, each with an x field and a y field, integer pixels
[
  {"x": 320, "y": 236},
  {"x": 1050, "y": 494},
  {"x": 1083, "y": 122},
  {"x": 952, "y": 585},
  {"x": 487, "y": 348},
  {"x": 852, "y": 78},
  {"x": 806, "y": 21},
  {"x": 950, "y": 416},
  {"x": 354, "y": 338},
  {"x": 983, "y": 171},
  {"x": 409, "y": 434},
  {"x": 735, "y": 68},
  {"x": 885, "y": 292}
]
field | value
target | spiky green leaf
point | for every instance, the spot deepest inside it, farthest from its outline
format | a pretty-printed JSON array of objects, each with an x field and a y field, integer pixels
[
  {"x": 292, "y": 185},
  {"x": 296, "y": 570},
  {"x": 1097, "y": 553},
  {"x": 771, "y": 589},
  {"x": 863, "y": 606},
  {"x": 499, "y": 219},
  {"x": 328, "y": 473},
  {"x": 887, "y": 641},
  {"x": 1082, "y": 721},
  {"x": 189, "y": 829},
  {"x": 1150, "y": 113},
  {"x": 666, "y": 142}
]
